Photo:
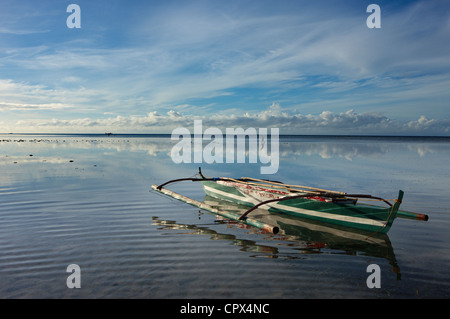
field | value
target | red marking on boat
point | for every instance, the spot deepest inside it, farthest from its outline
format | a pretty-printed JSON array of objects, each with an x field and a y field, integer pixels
[{"x": 317, "y": 198}]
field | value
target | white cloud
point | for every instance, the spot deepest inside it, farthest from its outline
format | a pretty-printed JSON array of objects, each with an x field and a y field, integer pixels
[
  {"x": 26, "y": 106},
  {"x": 434, "y": 125},
  {"x": 23, "y": 96},
  {"x": 21, "y": 32},
  {"x": 326, "y": 122}
]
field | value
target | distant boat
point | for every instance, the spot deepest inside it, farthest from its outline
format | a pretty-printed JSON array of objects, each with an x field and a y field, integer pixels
[{"x": 323, "y": 205}]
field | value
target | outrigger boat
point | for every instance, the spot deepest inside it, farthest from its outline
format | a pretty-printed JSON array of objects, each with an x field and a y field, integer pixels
[{"x": 323, "y": 205}]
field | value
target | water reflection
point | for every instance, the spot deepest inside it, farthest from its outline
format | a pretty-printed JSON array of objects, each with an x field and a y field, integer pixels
[
  {"x": 302, "y": 152},
  {"x": 297, "y": 236},
  {"x": 246, "y": 245},
  {"x": 326, "y": 148},
  {"x": 96, "y": 189}
]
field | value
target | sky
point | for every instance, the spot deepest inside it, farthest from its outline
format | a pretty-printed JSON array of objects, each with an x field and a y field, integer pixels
[{"x": 305, "y": 67}]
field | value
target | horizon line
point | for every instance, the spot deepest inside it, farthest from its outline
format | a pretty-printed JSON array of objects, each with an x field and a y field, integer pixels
[{"x": 192, "y": 135}]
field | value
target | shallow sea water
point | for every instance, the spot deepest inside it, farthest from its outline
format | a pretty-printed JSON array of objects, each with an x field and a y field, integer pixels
[{"x": 86, "y": 200}]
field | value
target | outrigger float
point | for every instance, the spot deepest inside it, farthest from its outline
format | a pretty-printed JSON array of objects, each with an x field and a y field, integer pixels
[{"x": 318, "y": 204}]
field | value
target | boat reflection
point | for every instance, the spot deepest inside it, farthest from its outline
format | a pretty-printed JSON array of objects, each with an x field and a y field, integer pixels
[
  {"x": 245, "y": 244},
  {"x": 297, "y": 236}
]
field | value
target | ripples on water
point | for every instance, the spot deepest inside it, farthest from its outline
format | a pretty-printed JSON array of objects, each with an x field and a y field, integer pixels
[{"x": 86, "y": 200}]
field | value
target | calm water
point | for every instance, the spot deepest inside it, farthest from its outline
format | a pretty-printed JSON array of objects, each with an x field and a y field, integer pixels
[{"x": 86, "y": 200}]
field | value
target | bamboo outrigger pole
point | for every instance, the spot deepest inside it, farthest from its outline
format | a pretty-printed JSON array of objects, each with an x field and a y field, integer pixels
[{"x": 229, "y": 215}]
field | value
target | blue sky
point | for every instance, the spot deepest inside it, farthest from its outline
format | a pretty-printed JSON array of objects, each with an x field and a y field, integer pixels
[{"x": 307, "y": 67}]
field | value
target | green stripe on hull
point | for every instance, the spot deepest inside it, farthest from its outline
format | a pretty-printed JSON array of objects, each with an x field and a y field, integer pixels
[
  {"x": 370, "y": 218},
  {"x": 339, "y": 218}
]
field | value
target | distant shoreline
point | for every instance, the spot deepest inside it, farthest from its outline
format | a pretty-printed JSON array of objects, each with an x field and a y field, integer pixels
[{"x": 283, "y": 136}]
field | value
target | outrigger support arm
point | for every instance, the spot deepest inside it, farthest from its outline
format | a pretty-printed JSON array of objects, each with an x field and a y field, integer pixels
[
  {"x": 185, "y": 179},
  {"x": 189, "y": 179},
  {"x": 270, "y": 201},
  {"x": 198, "y": 179},
  {"x": 308, "y": 195},
  {"x": 200, "y": 172}
]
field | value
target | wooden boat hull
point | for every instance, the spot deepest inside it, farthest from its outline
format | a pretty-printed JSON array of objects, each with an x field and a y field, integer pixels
[{"x": 344, "y": 212}]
